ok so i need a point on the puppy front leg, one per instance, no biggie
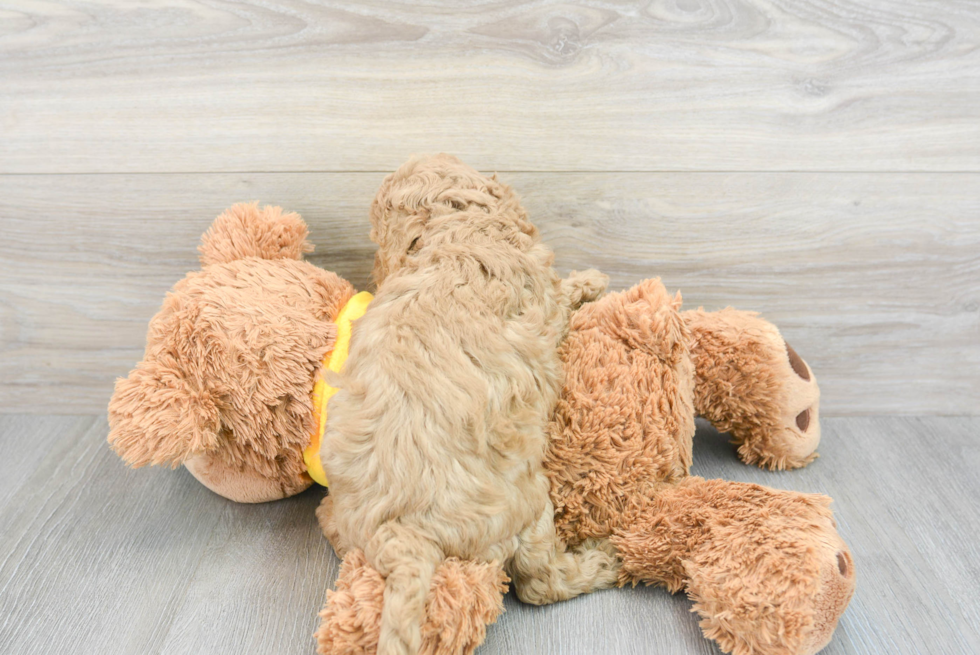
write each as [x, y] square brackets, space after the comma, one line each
[544, 571]
[581, 287]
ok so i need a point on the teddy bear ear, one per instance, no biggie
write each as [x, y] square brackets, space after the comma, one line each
[157, 417]
[245, 230]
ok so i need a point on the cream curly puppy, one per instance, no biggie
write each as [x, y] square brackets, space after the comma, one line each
[434, 444]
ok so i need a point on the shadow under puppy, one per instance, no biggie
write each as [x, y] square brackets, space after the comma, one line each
[434, 445]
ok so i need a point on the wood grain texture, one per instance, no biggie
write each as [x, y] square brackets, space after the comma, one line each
[599, 85]
[96, 558]
[874, 278]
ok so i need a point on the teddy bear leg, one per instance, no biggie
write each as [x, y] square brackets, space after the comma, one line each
[752, 384]
[244, 484]
[766, 569]
[464, 598]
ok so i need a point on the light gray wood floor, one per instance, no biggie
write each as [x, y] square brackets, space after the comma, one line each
[97, 558]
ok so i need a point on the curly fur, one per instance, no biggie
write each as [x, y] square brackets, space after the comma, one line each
[463, 599]
[442, 433]
[434, 443]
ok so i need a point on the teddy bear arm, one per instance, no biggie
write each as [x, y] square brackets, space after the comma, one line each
[750, 383]
[766, 568]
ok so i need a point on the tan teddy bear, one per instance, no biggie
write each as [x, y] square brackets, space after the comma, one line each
[225, 385]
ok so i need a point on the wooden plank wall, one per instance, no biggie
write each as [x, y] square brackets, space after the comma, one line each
[815, 160]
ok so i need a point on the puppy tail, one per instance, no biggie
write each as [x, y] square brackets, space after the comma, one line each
[408, 561]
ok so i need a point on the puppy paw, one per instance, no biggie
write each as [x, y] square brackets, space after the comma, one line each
[581, 287]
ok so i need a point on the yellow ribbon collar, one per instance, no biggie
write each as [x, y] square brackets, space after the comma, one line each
[322, 392]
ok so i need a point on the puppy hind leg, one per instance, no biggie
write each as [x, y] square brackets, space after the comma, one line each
[408, 561]
[545, 571]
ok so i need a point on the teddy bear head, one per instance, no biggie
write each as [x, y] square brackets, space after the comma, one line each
[225, 383]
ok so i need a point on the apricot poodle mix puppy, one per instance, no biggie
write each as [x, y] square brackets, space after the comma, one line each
[434, 444]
